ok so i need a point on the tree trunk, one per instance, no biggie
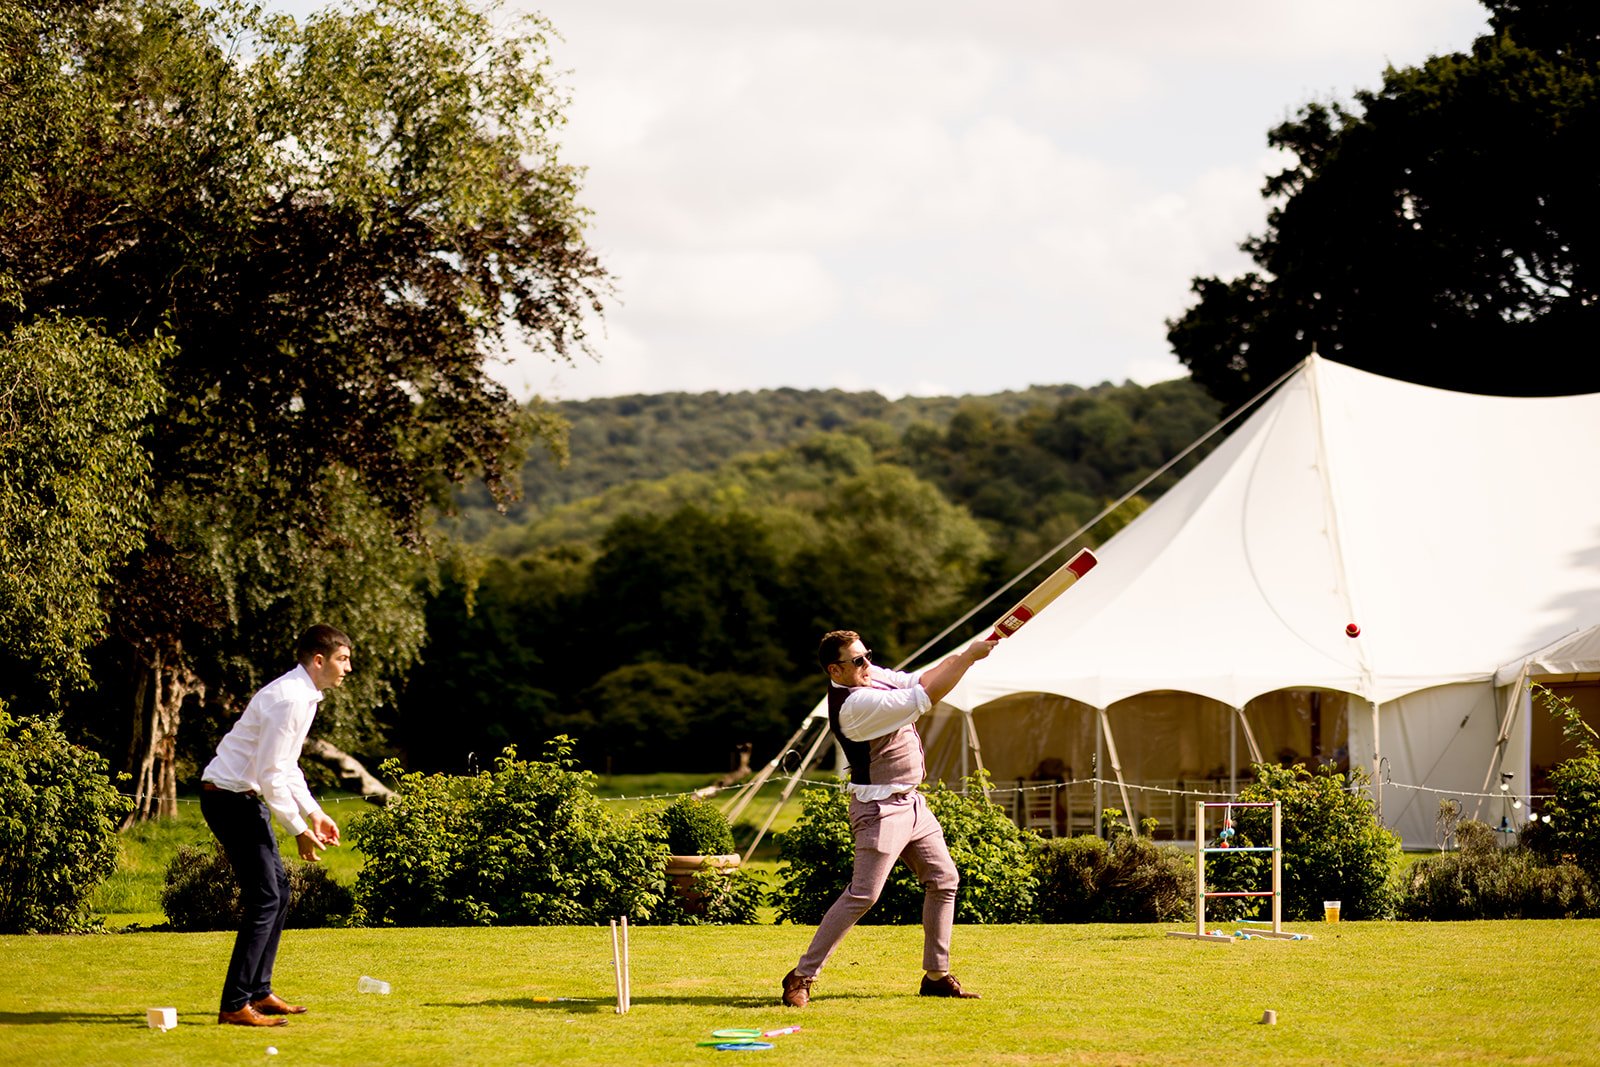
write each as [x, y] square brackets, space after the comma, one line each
[169, 682]
[352, 775]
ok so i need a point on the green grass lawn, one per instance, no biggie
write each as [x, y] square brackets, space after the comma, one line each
[1439, 993]
[1445, 993]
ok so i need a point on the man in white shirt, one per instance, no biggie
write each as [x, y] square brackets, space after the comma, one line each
[254, 776]
[873, 712]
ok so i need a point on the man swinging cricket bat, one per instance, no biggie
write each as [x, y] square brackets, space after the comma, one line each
[873, 712]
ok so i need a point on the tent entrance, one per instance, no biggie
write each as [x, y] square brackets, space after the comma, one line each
[1546, 745]
[1172, 749]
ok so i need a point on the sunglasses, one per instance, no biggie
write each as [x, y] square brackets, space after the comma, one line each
[860, 661]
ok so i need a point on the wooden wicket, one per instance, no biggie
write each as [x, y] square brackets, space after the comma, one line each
[619, 966]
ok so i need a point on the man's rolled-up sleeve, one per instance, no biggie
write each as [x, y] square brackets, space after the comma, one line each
[870, 713]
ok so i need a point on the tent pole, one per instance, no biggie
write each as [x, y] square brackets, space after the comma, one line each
[748, 791]
[1116, 767]
[783, 798]
[1249, 737]
[1377, 779]
[1498, 756]
[1099, 796]
[966, 745]
[1233, 755]
[977, 750]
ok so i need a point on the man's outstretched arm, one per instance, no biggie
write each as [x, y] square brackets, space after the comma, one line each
[942, 677]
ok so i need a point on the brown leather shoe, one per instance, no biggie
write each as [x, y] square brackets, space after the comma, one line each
[944, 987]
[248, 1016]
[797, 990]
[272, 1004]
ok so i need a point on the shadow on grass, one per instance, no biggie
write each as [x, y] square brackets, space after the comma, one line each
[55, 1018]
[608, 1005]
[570, 1007]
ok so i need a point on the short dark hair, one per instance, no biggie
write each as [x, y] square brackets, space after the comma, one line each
[320, 640]
[832, 642]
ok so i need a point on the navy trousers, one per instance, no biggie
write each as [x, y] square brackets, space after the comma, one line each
[243, 824]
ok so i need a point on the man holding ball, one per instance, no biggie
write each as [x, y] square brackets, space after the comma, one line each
[254, 776]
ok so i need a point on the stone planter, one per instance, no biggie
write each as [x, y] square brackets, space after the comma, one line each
[682, 869]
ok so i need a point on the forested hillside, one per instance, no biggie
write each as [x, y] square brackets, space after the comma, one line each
[661, 621]
[642, 437]
[618, 440]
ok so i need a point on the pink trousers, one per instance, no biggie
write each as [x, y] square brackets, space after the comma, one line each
[885, 831]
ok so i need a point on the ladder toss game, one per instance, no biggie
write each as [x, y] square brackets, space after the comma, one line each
[1202, 850]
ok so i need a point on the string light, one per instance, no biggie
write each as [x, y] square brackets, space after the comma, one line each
[709, 791]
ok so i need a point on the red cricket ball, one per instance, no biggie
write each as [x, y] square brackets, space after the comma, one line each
[1352, 630]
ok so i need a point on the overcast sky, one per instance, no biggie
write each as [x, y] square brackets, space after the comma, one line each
[932, 196]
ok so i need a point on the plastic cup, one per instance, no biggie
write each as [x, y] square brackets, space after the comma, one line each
[1330, 911]
[371, 985]
[161, 1018]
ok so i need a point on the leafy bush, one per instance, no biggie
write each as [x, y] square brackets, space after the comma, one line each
[726, 896]
[201, 893]
[993, 857]
[1333, 846]
[59, 813]
[528, 844]
[1126, 879]
[1575, 809]
[694, 827]
[1484, 881]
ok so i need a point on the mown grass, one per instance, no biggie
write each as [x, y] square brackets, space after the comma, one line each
[1415, 993]
[1466, 993]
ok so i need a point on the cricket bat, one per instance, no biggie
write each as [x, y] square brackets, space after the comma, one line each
[1080, 564]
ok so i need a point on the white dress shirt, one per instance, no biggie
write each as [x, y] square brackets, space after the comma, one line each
[893, 700]
[261, 754]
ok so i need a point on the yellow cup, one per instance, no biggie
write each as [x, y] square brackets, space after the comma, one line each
[1330, 911]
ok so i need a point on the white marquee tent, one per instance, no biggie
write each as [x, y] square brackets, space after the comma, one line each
[1460, 533]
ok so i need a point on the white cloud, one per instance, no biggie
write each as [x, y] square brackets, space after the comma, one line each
[751, 291]
[1148, 370]
[931, 195]
[898, 299]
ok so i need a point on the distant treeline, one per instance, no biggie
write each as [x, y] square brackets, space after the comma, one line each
[662, 621]
[648, 436]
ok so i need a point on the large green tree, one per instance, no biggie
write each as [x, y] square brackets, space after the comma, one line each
[1444, 230]
[336, 224]
[73, 405]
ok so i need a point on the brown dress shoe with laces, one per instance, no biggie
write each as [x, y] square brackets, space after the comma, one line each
[944, 987]
[272, 1004]
[248, 1016]
[796, 990]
